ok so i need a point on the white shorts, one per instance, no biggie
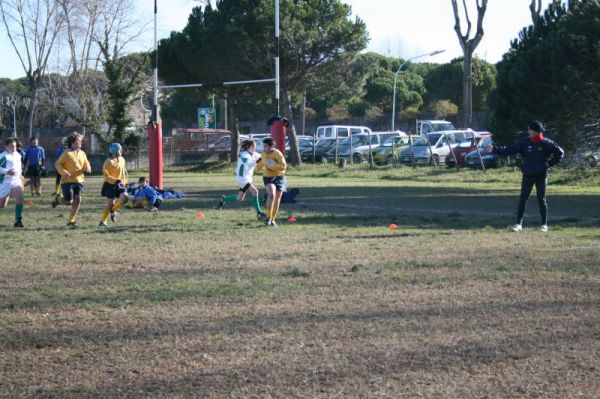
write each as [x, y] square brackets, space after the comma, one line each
[7, 186]
[243, 182]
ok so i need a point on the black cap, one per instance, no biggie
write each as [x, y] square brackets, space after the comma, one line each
[537, 126]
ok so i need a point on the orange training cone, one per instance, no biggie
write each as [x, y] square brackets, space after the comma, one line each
[393, 226]
[200, 215]
[292, 219]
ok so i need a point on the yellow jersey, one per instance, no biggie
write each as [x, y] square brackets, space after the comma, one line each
[74, 162]
[273, 163]
[114, 169]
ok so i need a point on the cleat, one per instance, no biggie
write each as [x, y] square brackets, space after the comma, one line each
[544, 228]
[153, 209]
[18, 223]
[261, 216]
[268, 221]
[113, 217]
[72, 225]
[273, 224]
[56, 201]
[517, 228]
[102, 224]
[220, 204]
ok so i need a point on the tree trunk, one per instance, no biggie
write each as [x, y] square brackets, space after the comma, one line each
[303, 115]
[224, 118]
[291, 130]
[467, 90]
[32, 109]
[235, 131]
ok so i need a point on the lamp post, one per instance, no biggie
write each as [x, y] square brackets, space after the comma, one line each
[396, 80]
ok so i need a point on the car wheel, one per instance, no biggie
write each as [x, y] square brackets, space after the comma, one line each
[390, 160]
[593, 162]
[435, 160]
[500, 162]
[357, 158]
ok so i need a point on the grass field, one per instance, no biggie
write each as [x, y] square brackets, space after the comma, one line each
[450, 304]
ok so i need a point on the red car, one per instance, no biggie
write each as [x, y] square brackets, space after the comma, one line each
[465, 148]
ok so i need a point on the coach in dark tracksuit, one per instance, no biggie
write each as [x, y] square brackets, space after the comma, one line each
[539, 154]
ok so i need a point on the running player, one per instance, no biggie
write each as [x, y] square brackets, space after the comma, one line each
[11, 179]
[72, 165]
[273, 162]
[244, 172]
[59, 152]
[115, 183]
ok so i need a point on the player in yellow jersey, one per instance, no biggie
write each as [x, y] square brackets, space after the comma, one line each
[274, 165]
[114, 188]
[72, 165]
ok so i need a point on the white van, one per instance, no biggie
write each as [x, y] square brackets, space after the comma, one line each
[340, 131]
[433, 148]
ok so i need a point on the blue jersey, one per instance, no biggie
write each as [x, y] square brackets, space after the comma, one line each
[60, 151]
[147, 193]
[35, 155]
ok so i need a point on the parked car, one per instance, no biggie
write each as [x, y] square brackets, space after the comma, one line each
[430, 126]
[489, 160]
[466, 147]
[356, 147]
[593, 158]
[389, 151]
[340, 131]
[224, 143]
[320, 151]
[433, 148]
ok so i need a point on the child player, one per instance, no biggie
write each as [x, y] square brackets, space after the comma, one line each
[273, 162]
[11, 179]
[72, 165]
[114, 188]
[244, 172]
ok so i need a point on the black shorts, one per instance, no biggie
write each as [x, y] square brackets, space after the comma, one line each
[113, 191]
[278, 181]
[34, 171]
[70, 190]
[245, 188]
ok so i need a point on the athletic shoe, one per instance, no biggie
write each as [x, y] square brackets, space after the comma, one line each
[268, 222]
[113, 217]
[72, 225]
[517, 227]
[273, 224]
[261, 216]
[153, 209]
[55, 202]
[102, 224]
[221, 203]
[544, 228]
[18, 223]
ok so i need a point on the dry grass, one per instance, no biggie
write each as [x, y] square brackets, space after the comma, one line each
[169, 305]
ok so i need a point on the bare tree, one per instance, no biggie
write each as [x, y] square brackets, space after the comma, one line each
[536, 11]
[468, 46]
[33, 27]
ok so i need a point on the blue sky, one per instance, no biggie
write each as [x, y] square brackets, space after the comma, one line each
[403, 28]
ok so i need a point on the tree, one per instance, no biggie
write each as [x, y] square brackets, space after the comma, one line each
[32, 27]
[468, 46]
[535, 8]
[445, 108]
[338, 113]
[552, 73]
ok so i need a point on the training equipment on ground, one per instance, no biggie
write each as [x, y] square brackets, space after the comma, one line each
[292, 219]
[393, 226]
[200, 215]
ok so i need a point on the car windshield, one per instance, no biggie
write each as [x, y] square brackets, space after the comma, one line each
[356, 141]
[325, 143]
[305, 143]
[392, 141]
[485, 143]
[422, 140]
[442, 126]
[466, 144]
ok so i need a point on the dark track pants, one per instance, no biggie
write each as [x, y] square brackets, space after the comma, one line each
[540, 182]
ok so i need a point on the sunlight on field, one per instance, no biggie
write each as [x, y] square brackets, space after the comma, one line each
[170, 305]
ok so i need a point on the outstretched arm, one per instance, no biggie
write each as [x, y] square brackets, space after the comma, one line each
[508, 150]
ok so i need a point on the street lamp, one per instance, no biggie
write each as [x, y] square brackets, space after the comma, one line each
[396, 80]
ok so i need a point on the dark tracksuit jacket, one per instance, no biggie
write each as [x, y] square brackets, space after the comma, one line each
[537, 159]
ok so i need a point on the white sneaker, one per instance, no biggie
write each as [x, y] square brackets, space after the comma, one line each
[544, 228]
[516, 228]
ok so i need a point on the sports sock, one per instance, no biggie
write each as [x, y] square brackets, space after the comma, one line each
[57, 188]
[256, 203]
[18, 212]
[104, 216]
[72, 218]
[116, 207]
[230, 198]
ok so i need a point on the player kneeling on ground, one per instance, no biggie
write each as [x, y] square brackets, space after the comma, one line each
[273, 162]
[72, 165]
[114, 188]
[145, 196]
[11, 179]
[244, 172]
[539, 155]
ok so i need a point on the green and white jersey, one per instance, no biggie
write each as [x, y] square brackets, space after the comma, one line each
[10, 161]
[246, 165]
